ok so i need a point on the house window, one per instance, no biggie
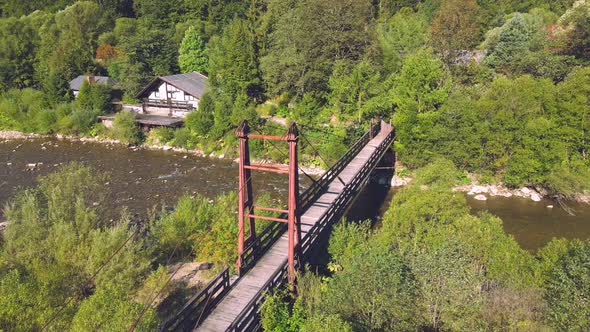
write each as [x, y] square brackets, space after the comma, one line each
[157, 94]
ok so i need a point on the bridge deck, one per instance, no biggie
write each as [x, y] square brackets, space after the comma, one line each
[274, 259]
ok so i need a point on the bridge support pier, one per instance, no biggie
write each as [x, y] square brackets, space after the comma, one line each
[246, 208]
[245, 197]
[294, 227]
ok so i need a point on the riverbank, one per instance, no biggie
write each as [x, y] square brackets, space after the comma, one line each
[16, 135]
[481, 192]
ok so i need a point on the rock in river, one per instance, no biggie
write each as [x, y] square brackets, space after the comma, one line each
[480, 197]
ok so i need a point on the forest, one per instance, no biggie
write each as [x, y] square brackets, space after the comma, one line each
[500, 89]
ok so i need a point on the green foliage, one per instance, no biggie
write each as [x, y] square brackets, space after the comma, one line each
[232, 62]
[95, 97]
[449, 287]
[373, 291]
[307, 39]
[202, 120]
[277, 316]
[160, 135]
[56, 249]
[175, 231]
[351, 87]
[455, 28]
[112, 310]
[125, 129]
[17, 56]
[522, 131]
[421, 87]
[192, 53]
[67, 44]
[197, 224]
[404, 33]
[568, 286]
[519, 45]
[575, 23]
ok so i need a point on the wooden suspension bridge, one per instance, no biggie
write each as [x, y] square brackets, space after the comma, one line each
[269, 259]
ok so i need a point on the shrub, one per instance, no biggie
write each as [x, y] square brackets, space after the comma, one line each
[568, 286]
[82, 120]
[182, 138]
[45, 121]
[199, 122]
[161, 135]
[125, 129]
[95, 97]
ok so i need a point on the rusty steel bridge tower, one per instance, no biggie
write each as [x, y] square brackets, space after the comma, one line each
[246, 208]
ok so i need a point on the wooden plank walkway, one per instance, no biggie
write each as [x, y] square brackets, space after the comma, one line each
[249, 285]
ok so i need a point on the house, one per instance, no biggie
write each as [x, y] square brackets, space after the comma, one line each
[173, 95]
[77, 82]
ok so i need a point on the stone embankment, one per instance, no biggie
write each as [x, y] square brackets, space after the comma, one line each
[481, 192]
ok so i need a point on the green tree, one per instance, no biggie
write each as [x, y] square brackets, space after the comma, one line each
[202, 120]
[125, 129]
[192, 53]
[308, 37]
[351, 86]
[375, 291]
[455, 28]
[17, 53]
[519, 35]
[95, 97]
[449, 287]
[68, 42]
[421, 87]
[568, 286]
[575, 29]
[404, 33]
[232, 62]
[58, 248]
[112, 310]
[145, 52]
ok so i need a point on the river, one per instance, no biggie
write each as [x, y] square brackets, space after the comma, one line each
[141, 179]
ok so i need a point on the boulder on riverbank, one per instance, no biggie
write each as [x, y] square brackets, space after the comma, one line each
[480, 197]
[398, 181]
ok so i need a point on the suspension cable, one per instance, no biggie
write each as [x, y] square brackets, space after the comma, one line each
[91, 279]
[287, 157]
[319, 155]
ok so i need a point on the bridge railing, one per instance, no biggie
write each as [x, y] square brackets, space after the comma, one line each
[249, 319]
[339, 206]
[253, 250]
[199, 305]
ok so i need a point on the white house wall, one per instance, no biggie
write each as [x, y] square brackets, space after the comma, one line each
[177, 94]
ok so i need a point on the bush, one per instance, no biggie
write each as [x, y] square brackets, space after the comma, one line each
[176, 231]
[82, 120]
[54, 252]
[568, 286]
[200, 122]
[45, 121]
[95, 97]
[160, 135]
[125, 129]
[182, 138]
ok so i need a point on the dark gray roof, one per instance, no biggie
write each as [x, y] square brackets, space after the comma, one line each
[193, 83]
[76, 83]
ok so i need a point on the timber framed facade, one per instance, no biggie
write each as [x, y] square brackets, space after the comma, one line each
[173, 95]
